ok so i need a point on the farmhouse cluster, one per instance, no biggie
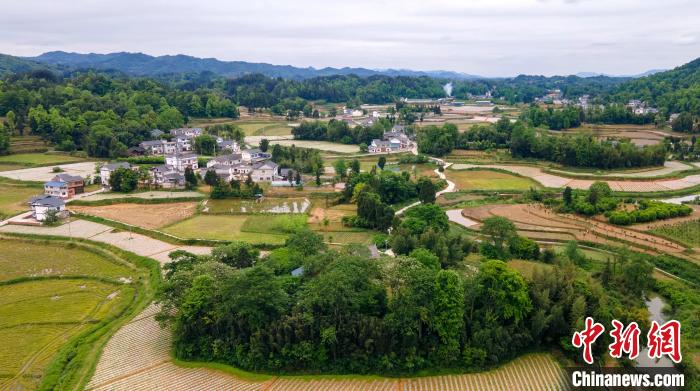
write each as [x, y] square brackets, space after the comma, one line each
[394, 141]
[178, 152]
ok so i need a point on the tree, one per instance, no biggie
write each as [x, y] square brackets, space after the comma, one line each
[683, 123]
[236, 254]
[448, 313]
[123, 180]
[355, 166]
[340, 168]
[500, 229]
[382, 162]
[426, 190]
[568, 196]
[205, 145]
[503, 291]
[306, 242]
[190, 178]
[264, 144]
[210, 178]
[426, 258]
[170, 118]
[598, 191]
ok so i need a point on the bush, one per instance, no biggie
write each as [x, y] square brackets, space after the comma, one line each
[648, 211]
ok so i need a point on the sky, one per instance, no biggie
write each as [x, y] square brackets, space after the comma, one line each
[483, 37]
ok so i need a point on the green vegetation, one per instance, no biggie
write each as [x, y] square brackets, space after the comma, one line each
[39, 159]
[14, 196]
[262, 229]
[687, 232]
[484, 179]
[59, 303]
[648, 211]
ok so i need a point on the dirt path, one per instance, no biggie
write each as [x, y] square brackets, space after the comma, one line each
[556, 181]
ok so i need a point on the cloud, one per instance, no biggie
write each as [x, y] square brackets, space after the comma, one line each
[489, 37]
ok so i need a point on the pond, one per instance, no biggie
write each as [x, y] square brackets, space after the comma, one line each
[265, 205]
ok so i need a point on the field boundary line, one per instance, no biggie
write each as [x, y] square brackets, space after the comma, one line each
[130, 374]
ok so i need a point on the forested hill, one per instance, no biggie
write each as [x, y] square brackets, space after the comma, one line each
[139, 64]
[675, 91]
[11, 65]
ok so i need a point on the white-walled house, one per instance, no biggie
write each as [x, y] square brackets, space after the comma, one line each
[265, 171]
[254, 155]
[226, 160]
[379, 146]
[42, 205]
[107, 169]
[190, 132]
[180, 161]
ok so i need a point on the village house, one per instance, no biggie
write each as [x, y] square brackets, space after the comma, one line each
[107, 169]
[265, 171]
[43, 205]
[379, 146]
[180, 161]
[64, 186]
[254, 155]
[227, 145]
[158, 147]
[226, 160]
[167, 177]
[184, 143]
[190, 132]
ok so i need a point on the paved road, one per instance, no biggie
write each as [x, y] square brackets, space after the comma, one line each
[135, 243]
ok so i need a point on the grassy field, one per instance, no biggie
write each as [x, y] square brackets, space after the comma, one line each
[14, 197]
[320, 145]
[38, 159]
[260, 229]
[335, 232]
[687, 233]
[488, 180]
[41, 310]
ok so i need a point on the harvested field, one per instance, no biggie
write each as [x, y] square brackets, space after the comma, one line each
[539, 223]
[488, 180]
[149, 216]
[555, 181]
[669, 168]
[43, 174]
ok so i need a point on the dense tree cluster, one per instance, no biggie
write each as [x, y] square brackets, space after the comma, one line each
[341, 132]
[583, 150]
[349, 314]
[99, 114]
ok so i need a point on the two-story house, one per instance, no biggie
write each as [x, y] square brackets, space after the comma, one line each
[180, 161]
[64, 186]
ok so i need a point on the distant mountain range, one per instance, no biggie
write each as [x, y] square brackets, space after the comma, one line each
[595, 74]
[139, 64]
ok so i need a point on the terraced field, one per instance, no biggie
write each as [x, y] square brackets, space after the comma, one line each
[539, 223]
[49, 293]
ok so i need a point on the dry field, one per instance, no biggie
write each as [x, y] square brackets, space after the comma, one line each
[149, 216]
[43, 174]
[638, 134]
[539, 223]
[320, 145]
